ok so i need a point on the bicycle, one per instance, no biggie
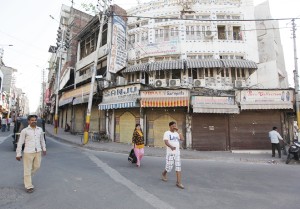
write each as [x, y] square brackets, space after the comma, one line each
[102, 136]
[90, 137]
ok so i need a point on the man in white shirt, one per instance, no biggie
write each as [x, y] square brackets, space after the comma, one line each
[275, 137]
[33, 137]
[171, 139]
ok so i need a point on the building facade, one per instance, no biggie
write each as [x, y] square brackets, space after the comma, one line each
[193, 60]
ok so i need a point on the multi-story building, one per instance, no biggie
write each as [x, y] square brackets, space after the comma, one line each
[197, 63]
[62, 62]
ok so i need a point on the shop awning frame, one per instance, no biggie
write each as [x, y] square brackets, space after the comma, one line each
[216, 108]
[274, 106]
[165, 102]
[118, 105]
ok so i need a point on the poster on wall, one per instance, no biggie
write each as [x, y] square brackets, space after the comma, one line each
[117, 55]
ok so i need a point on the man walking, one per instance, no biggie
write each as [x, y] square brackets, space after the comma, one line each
[274, 137]
[171, 139]
[34, 140]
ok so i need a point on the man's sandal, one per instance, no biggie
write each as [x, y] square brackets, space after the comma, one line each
[30, 190]
[164, 178]
[180, 186]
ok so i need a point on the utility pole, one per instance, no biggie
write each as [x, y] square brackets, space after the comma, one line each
[94, 70]
[43, 92]
[59, 49]
[296, 76]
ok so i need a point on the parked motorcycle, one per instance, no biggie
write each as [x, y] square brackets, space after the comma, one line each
[294, 152]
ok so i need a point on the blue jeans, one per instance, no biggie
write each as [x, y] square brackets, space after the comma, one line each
[3, 127]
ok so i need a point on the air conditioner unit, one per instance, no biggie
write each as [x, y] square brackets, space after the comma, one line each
[160, 83]
[174, 82]
[199, 82]
[240, 83]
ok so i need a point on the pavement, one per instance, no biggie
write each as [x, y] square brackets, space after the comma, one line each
[250, 156]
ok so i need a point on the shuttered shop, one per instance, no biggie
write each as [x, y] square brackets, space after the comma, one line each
[210, 132]
[249, 129]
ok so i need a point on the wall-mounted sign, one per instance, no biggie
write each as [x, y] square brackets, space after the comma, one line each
[164, 93]
[265, 96]
[124, 93]
[118, 55]
[161, 48]
[201, 100]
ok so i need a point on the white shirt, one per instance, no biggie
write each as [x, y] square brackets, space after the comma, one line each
[34, 140]
[274, 136]
[173, 139]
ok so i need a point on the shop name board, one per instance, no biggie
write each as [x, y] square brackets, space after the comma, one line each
[167, 47]
[118, 53]
[198, 100]
[164, 93]
[122, 93]
[267, 96]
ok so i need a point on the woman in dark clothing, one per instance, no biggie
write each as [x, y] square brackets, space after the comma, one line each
[138, 143]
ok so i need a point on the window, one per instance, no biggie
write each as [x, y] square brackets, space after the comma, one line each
[237, 35]
[221, 32]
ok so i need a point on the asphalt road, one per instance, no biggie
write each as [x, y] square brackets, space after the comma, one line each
[73, 177]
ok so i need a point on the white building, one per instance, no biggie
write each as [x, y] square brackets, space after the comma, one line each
[196, 34]
[271, 70]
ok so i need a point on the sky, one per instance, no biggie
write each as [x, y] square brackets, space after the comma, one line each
[28, 27]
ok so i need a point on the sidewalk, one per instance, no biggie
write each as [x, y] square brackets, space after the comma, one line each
[252, 156]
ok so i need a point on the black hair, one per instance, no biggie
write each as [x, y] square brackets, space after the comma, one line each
[136, 125]
[274, 128]
[32, 116]
[172, 123]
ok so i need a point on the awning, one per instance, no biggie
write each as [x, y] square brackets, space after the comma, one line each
[255, 106]
[165, 102]
[81, 99]
[62, 102]
[166, 65]
[239, 63]
[118, 105]
[216, 108]
[204, 63]
[134, 68]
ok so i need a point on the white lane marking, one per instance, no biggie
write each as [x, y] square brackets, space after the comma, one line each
[137, 190]
[3, 138]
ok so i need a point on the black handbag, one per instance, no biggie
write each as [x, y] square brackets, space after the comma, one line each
[132, 157]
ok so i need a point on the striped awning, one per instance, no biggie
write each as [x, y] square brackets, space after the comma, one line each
[165, 102]
[166, 65]
[135, 68]
[257, 106]
[216, 108]
[204, 63]
[239, 63]
[118, 105]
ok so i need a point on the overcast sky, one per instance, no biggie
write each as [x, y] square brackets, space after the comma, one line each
[26, 25]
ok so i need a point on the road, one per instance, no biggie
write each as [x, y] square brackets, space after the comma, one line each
[73, 177]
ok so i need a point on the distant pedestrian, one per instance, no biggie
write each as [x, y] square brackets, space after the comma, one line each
[3, 124]
[171, 139]
[33, 137]
[8, 124]
[138, 143]
[275, 137]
